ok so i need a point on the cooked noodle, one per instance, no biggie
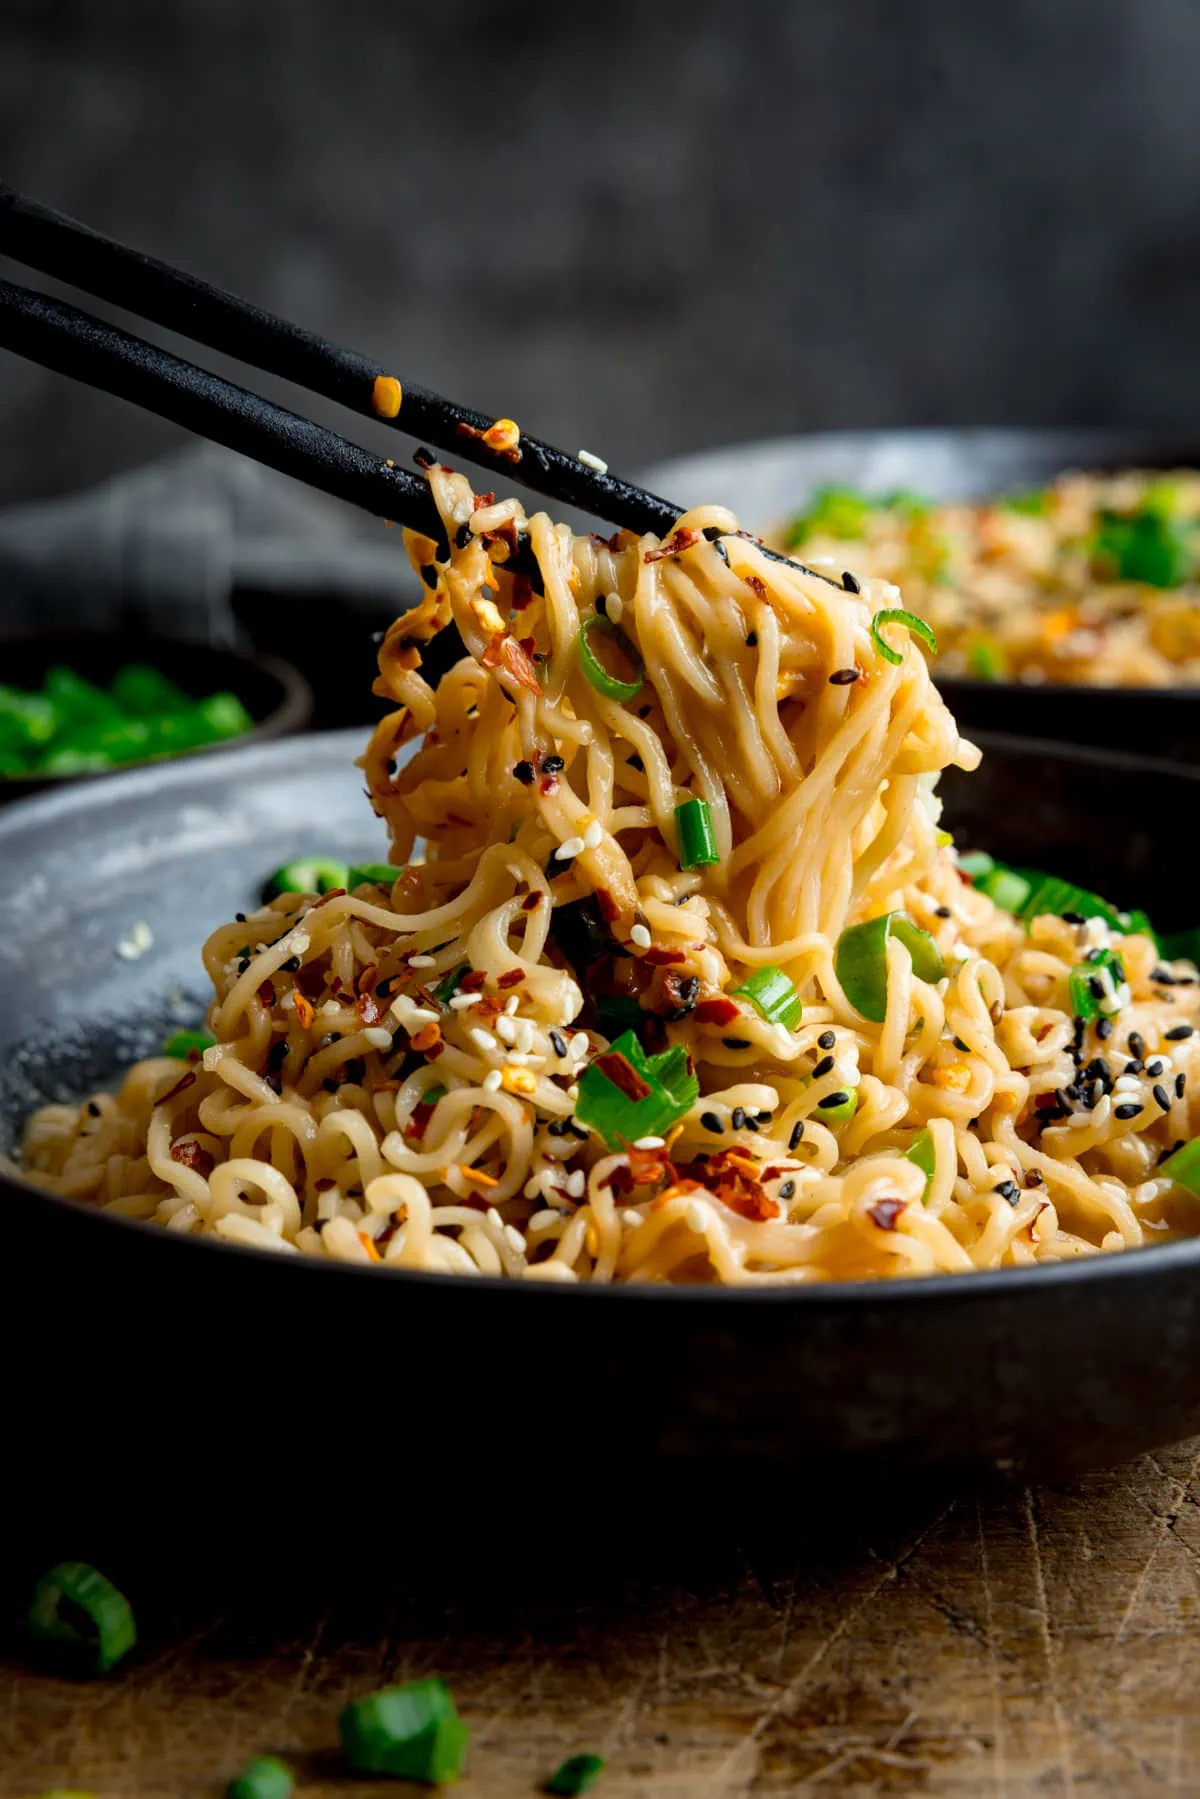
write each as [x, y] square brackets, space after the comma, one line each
[348, 1109]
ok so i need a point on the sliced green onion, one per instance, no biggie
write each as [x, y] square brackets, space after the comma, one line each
[986, 660]
[611, 686]
[578, 1774]
[1050, 895]
[183, 1045]
[75, 1606]
[372, 874]
[911, 506]
[1184, 1166]
[1004, 887]
[942, 838]
[450, 984]
[618, 1116]
[617, 1012]
[773, 995]
[833, 512]
[1146, 546]
[697, 845]
[412, 1732]
[897, 616]
[920, 1153]
[307, 874]
[1034, 503]
[861, 960]
[1084, 979]
[975, 863]
[266, 1777]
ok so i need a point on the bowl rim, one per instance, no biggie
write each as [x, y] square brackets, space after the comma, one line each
[911, 1289]
[290, 714]
[1112, 436]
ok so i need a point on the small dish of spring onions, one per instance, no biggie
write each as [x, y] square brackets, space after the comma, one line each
[71, 726]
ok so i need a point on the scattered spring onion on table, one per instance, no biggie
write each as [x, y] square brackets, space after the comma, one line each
[860, 960]
[70, 726]
[578, 1774]
[266, 1777]
[76, 1609]
[413, 1732]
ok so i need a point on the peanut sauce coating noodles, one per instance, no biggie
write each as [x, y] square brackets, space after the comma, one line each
[677, 979]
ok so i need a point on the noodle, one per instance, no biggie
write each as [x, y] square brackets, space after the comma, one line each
[397, 1073]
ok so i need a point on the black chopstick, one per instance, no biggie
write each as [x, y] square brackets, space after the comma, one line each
[75, 343]
[56, 245]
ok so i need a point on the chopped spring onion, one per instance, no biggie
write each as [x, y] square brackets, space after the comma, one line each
[1147, 546]
[266, 1777]
[1184, 1166]
[921, 1153]
[307, 874]
[611, 686]
[974, 863]
[986, 660]
[412, 1732]
[371, 874]
[1004, 887]
[697, 845]
[185, 1044]
[897, 616]
[1035, 503]
[1049, 894]
[626, 1094]
[1096, 986]
[773, 995]
[861, 960]
[833, 512]
[911, 506]
[75, 1606]
[449, 986]
[578, 1774]
[617, 1012]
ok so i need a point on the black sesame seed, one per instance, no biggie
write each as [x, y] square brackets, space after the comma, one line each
[823, 1067]
[833, 1099]
[274, 1083]
[843, 677]
[1137, 1044]
[1178, 1033]
[797, 1134]
[1008, 1190]
[752, 640]
[787, 1190]
[429, 574]
[559, 1128]
[752, 1124]
[462, 536]
[93, 1109]
[523, 772]
[850, 582]
[1180, 1085]
[602, 604]
[736, 1042]
[1162, 977]
[1072, 917]
[558, 1043]
[713, 532]
[241, 917]
[1104, 1029]
[826, 1040]
[290, 966]
[577, 1130]
[1164, 1153]
[1098, 1069]
[942, 912]
[712, 1123]
[1128, 1111]
[1133, 1068]
[635, 761]
[552, 765]
[1162, 1097]
[1154, 1069]
[1096, 986]
[737, 1118]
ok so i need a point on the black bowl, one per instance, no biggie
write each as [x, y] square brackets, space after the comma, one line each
[766, 482]
[166, 1360]
[275, 694]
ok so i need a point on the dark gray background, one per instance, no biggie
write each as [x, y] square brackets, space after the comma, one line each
[640, 227]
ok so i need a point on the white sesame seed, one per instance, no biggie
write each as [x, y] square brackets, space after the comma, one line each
[518, 1059]
[821, 561]
[460, 1001]
[493, 1217]
[614, 606]
[524, 1034]
[506, 1028]
[576, 1182]
[378, 1038]
[491, 1080]
[631, 1219]
[421, 961]
[890, 591]
[136, 942]
[482, 1039]
[650, 1143]
[330, 1008]
[641, 936]
[542, 1220]
[511, 1004]
[574, 846]
[593, 836]
[573, 1092]
[1127, 1083]
[515, 1239]
[596, 462]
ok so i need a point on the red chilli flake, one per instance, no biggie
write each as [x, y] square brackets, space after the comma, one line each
[506, 653]
[716, 1011]
[512, 977]
[679, 540]
[187, 1080]
[609, 909]
[532, 901]
[759, 585]
[622, 1074]
[662, 958]
[266, 994]
[190, 1155]
[472, 981]
[728, 1177]
[885, 1212]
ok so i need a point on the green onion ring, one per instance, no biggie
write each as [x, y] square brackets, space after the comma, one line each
[594, 669]
[899, 617]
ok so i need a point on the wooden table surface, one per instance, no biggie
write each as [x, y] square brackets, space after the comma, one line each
[1024, 1641]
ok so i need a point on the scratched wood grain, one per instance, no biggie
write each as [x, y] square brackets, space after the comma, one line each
[1024, 1642]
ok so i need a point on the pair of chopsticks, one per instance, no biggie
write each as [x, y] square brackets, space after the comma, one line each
[75, 343]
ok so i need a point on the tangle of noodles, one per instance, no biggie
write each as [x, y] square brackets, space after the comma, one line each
[359, 1105]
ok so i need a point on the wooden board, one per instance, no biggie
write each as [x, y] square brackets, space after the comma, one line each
[1025, 1642]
